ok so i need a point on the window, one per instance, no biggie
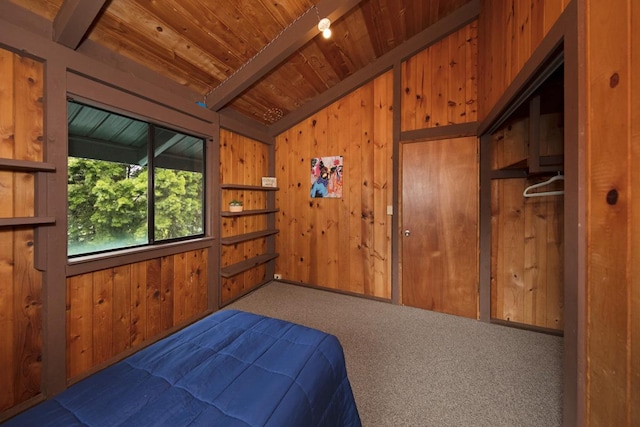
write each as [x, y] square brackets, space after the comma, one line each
[130, 183]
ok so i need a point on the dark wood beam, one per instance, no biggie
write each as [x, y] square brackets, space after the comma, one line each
[396, 191]
[284, 45]
[440, 132]
[29, 35]
[74, 20]
[424, 39]
[24, 19]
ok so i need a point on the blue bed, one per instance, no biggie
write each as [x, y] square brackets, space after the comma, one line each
[229, 369]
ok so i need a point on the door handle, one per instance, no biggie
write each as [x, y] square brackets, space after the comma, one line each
[407, 233]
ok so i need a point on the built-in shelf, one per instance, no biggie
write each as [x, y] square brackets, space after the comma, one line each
[12, 222]
[251, 212]
[15, 165]
[247, 187]
[245, 265]
[246, 237]
[546, 164]
[267, 232]
[26, 166]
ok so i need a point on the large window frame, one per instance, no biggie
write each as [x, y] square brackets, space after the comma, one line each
[206, 126]
[146, 179]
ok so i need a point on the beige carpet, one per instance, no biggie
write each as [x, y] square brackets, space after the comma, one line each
[411, 367]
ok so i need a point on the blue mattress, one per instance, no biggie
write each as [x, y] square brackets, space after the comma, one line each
[229, 369]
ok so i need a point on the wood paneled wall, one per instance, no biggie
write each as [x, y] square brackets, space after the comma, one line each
[242, 161]
[613, 213]
[345, 243]
[113, 310]
[21, 125]
[440, 85]
[509, 31]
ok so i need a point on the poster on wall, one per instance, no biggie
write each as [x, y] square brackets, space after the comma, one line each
[326, 177]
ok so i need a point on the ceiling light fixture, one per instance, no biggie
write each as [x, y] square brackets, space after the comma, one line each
[323, 26]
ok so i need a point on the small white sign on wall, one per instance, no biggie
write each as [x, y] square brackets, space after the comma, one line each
[269, 181]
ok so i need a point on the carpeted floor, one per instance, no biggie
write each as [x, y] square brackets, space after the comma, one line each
[411, 367]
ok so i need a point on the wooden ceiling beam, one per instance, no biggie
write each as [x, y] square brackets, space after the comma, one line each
[74, 20]
[284, 45]
[415, 44]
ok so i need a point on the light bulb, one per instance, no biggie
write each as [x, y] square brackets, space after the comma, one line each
[324, 24]
[326, 33]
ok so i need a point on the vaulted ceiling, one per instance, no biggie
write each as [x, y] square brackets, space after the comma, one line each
[262, 58]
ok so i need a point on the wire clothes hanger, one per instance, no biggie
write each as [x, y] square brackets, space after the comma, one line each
[558, 177]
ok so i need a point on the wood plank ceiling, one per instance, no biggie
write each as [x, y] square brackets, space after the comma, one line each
[261, 58]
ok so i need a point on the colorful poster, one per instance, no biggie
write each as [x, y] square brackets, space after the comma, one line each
[326, 177]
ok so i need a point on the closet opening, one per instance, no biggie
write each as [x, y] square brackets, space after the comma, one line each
[525, 183]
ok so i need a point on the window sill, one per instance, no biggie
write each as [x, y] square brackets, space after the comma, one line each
[90, 263]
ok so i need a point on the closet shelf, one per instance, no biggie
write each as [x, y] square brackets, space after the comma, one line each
[248, 236]
[245, 265]
[26, 166]
[547, 164]
[12, 222]
[251, 212]
[247, 187]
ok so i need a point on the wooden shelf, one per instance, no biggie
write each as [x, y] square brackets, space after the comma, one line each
[267, 231]
[246, 237]
[547, 164]
[245, 213]
[26, 166]
[245, 265]
[12, 222]
[247, 187]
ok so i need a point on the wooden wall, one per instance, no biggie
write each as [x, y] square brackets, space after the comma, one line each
[345, 243]
[21, 127]
[439, 84]
[612, 319]
[113, 310]
[242, 161]
[509, 31]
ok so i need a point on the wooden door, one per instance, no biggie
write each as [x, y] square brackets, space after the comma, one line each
[440, 226]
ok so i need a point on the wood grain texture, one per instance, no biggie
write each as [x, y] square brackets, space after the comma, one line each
[339, 243]
[509, 31]
[526, 258]
[243, 161]
[368, 31]
[7, 310]
[382, 183]
[21, 127]
[139, 303]
[199, 45]
[612, 289]
[633, 354]
[112, 310]
[29, 123]
[526, 234]
[510, 144]
[440, 210]
[102, 310]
